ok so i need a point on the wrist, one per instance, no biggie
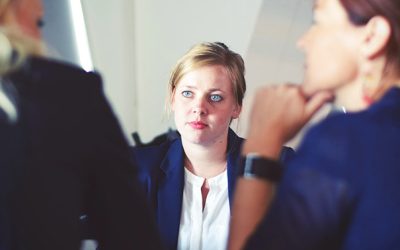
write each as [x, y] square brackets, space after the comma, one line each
[268, 148]
[255, 166]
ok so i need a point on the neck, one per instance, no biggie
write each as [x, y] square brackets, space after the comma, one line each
[350, 96]
[206, 160]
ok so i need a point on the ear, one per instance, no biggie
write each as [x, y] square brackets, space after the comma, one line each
[378, 32]
[236, 111]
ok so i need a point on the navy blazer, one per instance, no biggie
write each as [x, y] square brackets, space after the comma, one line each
[161, 174]
[67, 155]
[341, 191]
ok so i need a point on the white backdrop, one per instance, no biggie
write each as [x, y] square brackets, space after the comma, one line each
[135, 43]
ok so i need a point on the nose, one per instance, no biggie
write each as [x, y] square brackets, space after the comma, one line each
[200, 106]
[301, 42]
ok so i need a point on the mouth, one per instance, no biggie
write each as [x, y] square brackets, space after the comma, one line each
[197, 124]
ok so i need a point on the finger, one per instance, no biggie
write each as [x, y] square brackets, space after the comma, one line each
[316, 102]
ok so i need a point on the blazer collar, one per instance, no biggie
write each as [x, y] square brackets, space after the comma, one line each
[170, 194]
[171, 188]
[233, 156]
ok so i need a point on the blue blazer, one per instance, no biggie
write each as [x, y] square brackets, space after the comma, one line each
[341, 191]
[161, 174]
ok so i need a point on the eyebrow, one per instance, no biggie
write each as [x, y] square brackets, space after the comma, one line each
[187, 86]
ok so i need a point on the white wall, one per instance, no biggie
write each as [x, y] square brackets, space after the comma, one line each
[110, 26]
[167, 29]
[135, 43]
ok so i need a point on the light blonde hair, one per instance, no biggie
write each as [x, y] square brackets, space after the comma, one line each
[14, 45]
[208, 54]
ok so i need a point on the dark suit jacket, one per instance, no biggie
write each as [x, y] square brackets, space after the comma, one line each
[161, 174]
[66, 156]
[341, 191]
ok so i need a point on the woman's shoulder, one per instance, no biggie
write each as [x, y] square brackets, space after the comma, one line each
[48, 73]
[342, 126]
[154, 162]
[331, 141]
[148, 157]
[51, 65]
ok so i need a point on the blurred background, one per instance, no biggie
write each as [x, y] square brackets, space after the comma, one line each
[135, 43]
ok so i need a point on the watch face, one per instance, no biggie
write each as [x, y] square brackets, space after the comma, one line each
[255, 166]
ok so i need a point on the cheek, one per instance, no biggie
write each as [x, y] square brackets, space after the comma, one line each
[331, 65]
[178, 120]
[180, 106]
[176, 102]
[29, 26]
[180, 111]
[225, 116]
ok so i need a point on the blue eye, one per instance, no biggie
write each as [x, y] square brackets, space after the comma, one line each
[187, 93]
[216, 98]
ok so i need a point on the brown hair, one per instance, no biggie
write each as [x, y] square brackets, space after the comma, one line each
[207, 54]
[361, 11]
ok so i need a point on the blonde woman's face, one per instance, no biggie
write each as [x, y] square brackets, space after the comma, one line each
[29, 15]
[204, 104]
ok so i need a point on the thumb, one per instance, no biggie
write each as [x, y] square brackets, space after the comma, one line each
[316, 101]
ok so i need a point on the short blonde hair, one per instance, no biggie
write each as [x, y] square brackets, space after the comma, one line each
[208, 54]
[14, 45]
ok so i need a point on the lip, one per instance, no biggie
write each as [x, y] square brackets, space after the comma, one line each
[197, 124]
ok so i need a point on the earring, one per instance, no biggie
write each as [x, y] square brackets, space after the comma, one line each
[370, 86]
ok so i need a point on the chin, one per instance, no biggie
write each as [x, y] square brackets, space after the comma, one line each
[195, 138]
[308, 89]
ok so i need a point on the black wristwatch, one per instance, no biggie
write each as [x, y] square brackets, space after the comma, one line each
[255, 166]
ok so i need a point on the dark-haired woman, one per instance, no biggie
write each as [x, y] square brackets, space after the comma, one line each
[341, 191]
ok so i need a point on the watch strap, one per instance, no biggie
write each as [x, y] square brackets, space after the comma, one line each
[255, 166]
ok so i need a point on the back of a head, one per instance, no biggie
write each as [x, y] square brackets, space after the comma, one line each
[361, 11]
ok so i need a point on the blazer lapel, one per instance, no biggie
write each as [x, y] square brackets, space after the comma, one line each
[170, 195]
[234, 144]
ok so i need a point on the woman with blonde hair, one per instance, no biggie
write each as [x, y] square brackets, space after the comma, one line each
[341, 189]
[189, 181]
[62, 152]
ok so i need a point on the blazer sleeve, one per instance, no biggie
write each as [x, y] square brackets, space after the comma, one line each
[77, 161]
[310, 208]
[118, 208]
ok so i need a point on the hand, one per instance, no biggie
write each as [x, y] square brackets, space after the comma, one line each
[278, 113]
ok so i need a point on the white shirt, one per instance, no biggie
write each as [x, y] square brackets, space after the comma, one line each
[204, 229]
